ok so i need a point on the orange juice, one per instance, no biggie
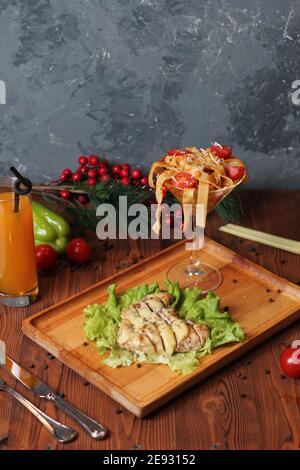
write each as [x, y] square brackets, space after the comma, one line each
[18, 275]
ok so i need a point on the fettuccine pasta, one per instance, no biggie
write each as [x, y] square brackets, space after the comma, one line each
[195, 175]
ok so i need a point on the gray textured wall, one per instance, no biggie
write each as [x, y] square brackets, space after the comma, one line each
[129, 78]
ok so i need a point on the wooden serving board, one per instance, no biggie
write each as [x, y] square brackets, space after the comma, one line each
[246, 290]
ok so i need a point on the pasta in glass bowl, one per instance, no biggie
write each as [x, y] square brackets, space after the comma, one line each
[199, 179]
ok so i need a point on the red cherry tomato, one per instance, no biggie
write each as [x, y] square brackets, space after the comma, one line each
[179, 152]
[45, 257]
[93, 160]
[221, 152]
[235, 172]
[79, 251]
[136, 174]
[82, 160]
[172, 151]
[67, 171]
[290, 360]
[102, 164]
[184, 180]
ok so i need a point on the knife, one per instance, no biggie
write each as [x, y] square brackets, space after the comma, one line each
[92, 427]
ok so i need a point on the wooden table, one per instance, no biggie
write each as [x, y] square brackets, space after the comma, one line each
[249, 405]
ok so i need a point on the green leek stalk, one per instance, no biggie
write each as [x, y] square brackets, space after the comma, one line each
[285, 244]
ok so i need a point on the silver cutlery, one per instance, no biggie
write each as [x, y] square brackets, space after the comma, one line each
[59, 431]
[92, 427]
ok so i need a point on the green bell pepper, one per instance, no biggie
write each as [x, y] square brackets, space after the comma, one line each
[49, 228]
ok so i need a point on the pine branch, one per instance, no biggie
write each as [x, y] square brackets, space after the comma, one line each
[103, 192]
[230, 208]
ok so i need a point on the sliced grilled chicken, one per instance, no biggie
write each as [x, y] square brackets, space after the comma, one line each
[168, 337]
[139, 342]
[180, 329]
[157, 299]
[155, 337]
[190, 342]
[152, 325]
[132, 316]
[202, 330]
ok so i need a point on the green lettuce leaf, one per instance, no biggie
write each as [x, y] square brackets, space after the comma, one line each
[222, 334]
[119, 357]
[97, 320]
[184, 363]
[173, 289]
[188, 301]
[190, 306]
[112, 306]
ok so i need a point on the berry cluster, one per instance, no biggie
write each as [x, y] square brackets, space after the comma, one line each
[92, 170]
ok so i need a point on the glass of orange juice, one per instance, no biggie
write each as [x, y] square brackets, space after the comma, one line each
[18, 273]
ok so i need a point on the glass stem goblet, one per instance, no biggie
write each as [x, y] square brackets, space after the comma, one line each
[195, 272]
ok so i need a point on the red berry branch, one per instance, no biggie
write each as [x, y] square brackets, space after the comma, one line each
[96, 181]
[92, 171]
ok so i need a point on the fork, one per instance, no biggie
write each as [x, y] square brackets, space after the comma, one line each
[59, 431]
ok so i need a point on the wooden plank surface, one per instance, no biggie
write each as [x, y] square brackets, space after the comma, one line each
[211, 415]
[246, 290]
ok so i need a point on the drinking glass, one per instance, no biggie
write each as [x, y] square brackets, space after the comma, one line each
[193, 272]
[18, 273]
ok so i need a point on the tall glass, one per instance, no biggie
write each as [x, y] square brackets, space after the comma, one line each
[18, 273]
[194, 272]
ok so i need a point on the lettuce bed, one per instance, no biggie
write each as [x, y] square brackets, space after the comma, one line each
[102, 322]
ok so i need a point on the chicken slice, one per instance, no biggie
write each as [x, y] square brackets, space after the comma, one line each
[153, 334]
[131, 314]
[146, 313]
[168, 314]
[139, 342]
[190, 343]
[167, 336]
[202, 331]
[163, 297]
[158, 301]
[180, 329]
[125, 332]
